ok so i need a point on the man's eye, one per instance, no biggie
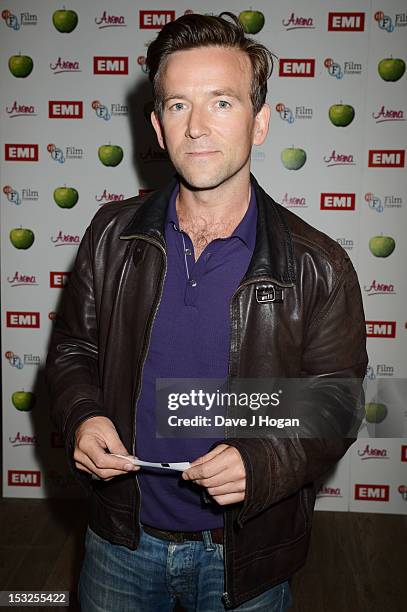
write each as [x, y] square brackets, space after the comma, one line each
[223, 104]
[177, 106]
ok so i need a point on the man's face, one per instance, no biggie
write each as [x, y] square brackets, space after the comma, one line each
[207, 125]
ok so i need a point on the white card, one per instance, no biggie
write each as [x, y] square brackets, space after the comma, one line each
[179, 467]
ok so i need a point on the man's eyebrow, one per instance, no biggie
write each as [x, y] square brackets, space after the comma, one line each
[215, 92]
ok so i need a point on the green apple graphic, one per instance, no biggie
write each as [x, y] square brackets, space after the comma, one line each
[65, 20]
[252, 21]
[110, 155]
[21, 238]
[293, 159]
[66, 197]
[20, 66]
[375, 413]
[341, 115]
[23, 400]
[391, 69]
[382, 246]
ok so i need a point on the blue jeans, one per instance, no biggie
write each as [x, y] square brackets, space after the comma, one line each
[151, 578]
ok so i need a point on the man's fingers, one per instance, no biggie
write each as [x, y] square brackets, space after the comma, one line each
[229, 498]
[98, 462]
[215, 451]
[238, 486]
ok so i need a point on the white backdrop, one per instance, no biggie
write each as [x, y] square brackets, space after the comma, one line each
[88, 87]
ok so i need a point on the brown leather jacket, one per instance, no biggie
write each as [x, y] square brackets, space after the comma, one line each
[315, 329]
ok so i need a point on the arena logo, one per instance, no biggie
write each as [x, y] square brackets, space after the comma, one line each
[338, 201]
[376, 288]
[16, 319]
[60, 155]
[381, 370]
[339, 159]
[379, 204]
[14, 22]
[389, 24]
[298, 23]
[63, 65]
[22, 440]
[373, 453]
[110, 21]
[381, 329]
[21, 152]
[346, 243]
[17, 362]
[24, 478]
[386, 158]
[340, 70]
[403, 451]
[300, 112]
[346, 22]
[155, 20]
[105, 112]
[22, 280]
[293, 201]
[296, 67]
[372, 492]
[153, 155]
[65, 109]
[402, 489]
[103, 64]
[15, 197]
[58, 280]
[325, 491]
[20, 110]
[61, 239]
[387, 114]
[106, 196]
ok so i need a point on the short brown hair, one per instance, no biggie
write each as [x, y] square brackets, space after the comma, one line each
[195, 30]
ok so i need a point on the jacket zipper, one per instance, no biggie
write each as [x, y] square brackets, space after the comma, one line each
[145, 351]
[225, 595]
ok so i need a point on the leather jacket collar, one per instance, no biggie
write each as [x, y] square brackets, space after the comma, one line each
[273, 253]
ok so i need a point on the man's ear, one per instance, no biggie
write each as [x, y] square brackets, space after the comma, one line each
[158, 129]
[261, 125]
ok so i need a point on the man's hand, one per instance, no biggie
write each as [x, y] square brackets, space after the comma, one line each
[221, 472]
[93, 438]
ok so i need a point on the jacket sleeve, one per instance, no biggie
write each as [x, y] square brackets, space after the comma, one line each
[72, 361]
[334, 351]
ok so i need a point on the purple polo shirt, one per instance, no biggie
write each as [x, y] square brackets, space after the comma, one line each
[190, 339]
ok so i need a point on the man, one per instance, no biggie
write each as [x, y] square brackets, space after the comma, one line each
[207, 278]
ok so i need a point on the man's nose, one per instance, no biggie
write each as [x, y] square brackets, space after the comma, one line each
[197, 124]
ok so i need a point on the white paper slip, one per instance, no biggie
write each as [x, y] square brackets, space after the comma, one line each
[179, 467]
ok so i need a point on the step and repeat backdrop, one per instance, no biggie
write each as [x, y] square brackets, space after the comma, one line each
[75, 103]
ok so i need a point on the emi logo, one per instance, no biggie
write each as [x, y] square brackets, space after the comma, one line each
[58, 280]
[21, 152]
[338, 201]
[296, 67]
[65, 109]
[381, 329]
[155, 20]
[372, 492]
[24, 478]
[346, 22]
[386, 158]
[110, 65]
[403, 452]
[23, 319]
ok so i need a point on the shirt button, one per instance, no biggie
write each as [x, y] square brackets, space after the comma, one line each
[188, 251]
[193, 282]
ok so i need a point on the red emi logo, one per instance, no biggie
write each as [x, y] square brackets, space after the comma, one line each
[296, 67]
[155, 20]
[58, 280]
[403, 452]
[65, 109]
[24, 478]
[338, 201]
[21, 152]
[346, 22]
[22, 319]
[386, 158]
[110, 65]
[372, 492]
[381, 329]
